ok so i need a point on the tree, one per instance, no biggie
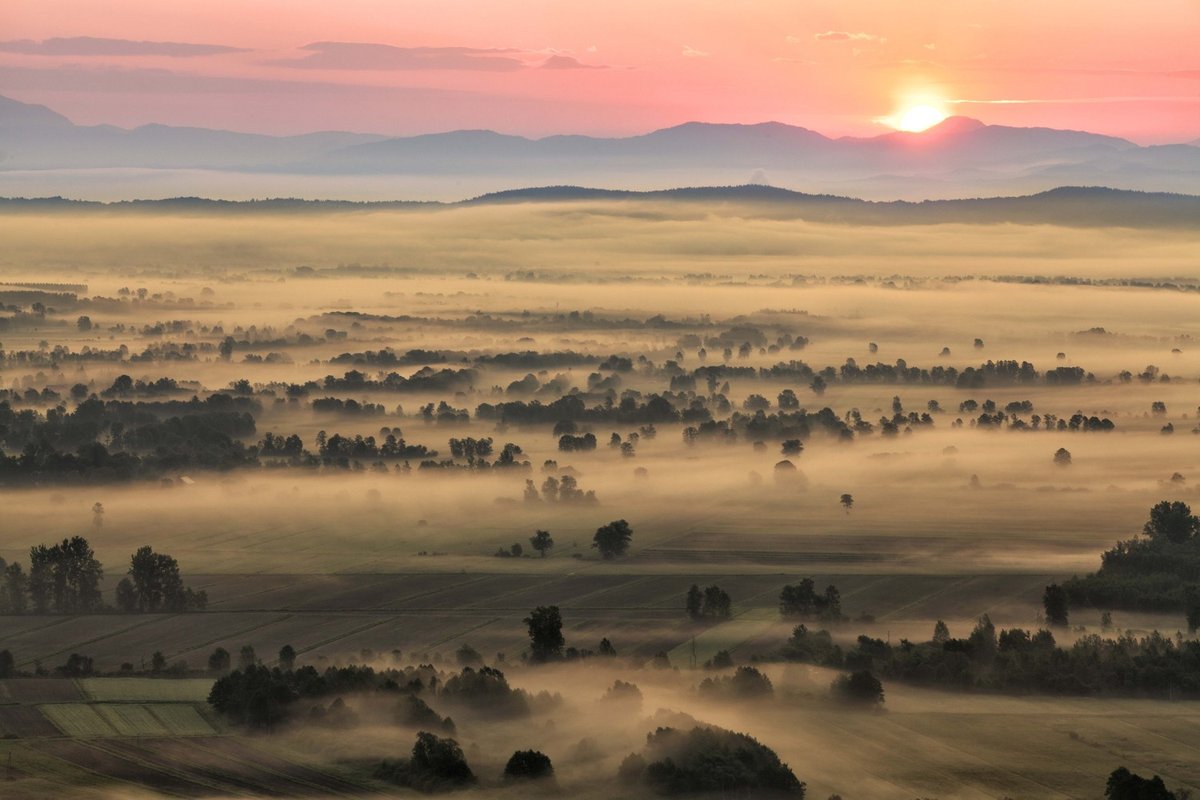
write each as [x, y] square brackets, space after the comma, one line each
[1172, 522]
[439, 761]
[287, 658]
[716, 603]
[1054, 599]
[605, 648]
[528, 765]
[225, 348]
[860, 688]
[1125, 785]
[847, 501]
[16, 585]
[219, 661]
[613, 539]
[246, 657]
[97, 515]
[84, 323]
[127, 599]
[694, 603]
[545, 633]
[541, 541]
[941, 633]
[158, 662]
[65, 577]
[1062, 457]
[157, 585]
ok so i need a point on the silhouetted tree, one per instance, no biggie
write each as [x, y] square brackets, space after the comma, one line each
[858, 687]
[65, 577]
[1054, 600]
[528, 765]
[694, 602]
[247, 657]
[1062, 457]
[545, 633]
[438, 762]
[1172, 522]
[541, 541]
[157, 585]
[847, 501]
[287, 658]
[613, 539]
[1125, 785]
[219, 661]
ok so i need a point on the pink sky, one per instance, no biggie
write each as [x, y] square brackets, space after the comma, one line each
[536, 67]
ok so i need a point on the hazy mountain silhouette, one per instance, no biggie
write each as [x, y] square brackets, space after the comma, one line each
[960, 156]
[1070, 206]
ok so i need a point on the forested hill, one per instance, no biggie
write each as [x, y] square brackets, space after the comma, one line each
[1070, 206]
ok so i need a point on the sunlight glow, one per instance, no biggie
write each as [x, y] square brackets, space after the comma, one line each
[918, 118]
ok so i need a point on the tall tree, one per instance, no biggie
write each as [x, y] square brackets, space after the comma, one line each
[545, 633]
[1054, 599]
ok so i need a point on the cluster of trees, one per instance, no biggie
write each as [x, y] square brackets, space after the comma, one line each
[563, 489]
[1160, 569]
[154, 585]
[746, 683]
[711, 603]
[801, 601]
[546, 642]
[426, 380]
[1017, 660]
[64, 578]
[1125, 785]
[143, 440]
[708, 760]
[438, 764]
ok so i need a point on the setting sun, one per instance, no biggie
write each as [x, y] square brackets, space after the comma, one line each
[918, 118]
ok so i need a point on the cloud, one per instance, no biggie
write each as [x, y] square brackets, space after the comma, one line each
[386, 57]
[691, 52]
[568, 62]
[92, 46]
[846, 36]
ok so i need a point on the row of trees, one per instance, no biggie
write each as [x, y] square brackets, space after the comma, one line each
[64, 578]
[1017, 660]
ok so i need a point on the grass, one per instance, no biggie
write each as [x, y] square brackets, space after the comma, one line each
[78, 720]
[132, 720]
[147, 690]
[181, 720]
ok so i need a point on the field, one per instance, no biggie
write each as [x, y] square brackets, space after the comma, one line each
[362, 561]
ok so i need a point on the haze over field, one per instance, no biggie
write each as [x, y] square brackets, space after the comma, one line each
[491, 400]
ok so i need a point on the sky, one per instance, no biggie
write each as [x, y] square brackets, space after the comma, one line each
[617, 67]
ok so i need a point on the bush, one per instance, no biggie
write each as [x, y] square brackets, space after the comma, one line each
[859, 688]
[708, 760]
[528, 765]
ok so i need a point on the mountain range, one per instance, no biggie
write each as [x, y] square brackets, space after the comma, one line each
[1069, 206]
[958, 157]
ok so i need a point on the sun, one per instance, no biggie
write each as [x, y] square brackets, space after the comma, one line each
[918, 118]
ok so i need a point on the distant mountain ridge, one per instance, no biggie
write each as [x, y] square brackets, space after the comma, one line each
[1071, 206]
[956, 157]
